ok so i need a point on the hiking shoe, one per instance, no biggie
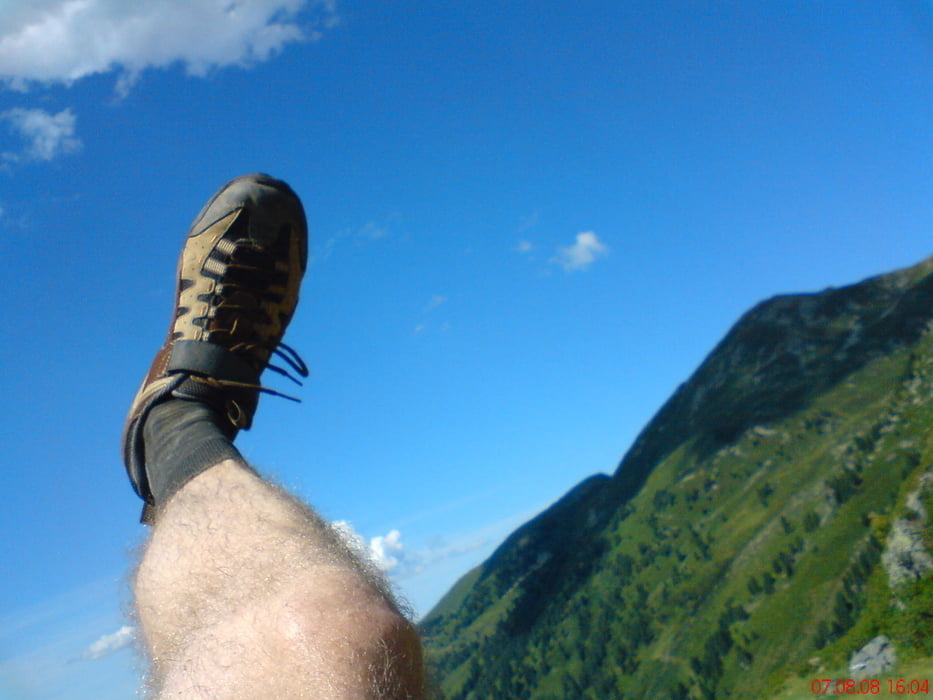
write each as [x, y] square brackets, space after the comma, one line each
[238, 279]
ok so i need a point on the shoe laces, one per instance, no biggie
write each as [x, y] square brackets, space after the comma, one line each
[248, 273]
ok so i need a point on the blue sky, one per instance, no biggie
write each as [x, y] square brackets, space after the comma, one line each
[530, 221]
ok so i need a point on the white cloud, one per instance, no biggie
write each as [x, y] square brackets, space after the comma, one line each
[389, 554]
[582, 253]
[47, 135]
[524, 247]
[60, 41]
[110, 643]
[385, 551]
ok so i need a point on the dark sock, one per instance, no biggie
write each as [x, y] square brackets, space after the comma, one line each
[183, 438]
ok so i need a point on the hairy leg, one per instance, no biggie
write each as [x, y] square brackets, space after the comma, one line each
[244, 592]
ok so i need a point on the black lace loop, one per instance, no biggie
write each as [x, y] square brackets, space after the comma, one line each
[293, 360]
[255, 387]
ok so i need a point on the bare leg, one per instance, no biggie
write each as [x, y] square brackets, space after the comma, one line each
[243, 592]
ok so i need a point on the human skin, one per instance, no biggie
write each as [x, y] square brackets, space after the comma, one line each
[244, 592]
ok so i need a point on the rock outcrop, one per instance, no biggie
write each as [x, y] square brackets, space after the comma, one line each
[873, 659]
[905, 556]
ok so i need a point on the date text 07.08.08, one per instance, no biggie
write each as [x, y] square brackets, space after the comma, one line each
[870, 686]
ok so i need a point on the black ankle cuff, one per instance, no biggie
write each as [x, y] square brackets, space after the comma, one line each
[182, 439]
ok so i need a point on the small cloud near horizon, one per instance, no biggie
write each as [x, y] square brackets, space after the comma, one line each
[579, 256]
[388, 552]
[384, 551]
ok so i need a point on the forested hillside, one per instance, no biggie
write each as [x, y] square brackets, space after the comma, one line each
[770, 521]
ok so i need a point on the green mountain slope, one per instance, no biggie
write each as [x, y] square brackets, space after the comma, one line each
[767, 523]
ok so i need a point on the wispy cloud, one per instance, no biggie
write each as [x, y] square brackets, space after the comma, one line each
[110, 643]
[433, 303]
[524, 246]
[60, 41]
[45, 646]
[436, 300]
[582, 253]
[47, 135]
[373, 231]
[418, 561]
[529, 222]
[363, 235]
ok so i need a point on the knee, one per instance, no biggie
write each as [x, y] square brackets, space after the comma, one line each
[392, 646]
[363, 634]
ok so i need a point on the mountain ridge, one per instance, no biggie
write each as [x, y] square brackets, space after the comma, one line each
[762, 333]
[769, 447]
